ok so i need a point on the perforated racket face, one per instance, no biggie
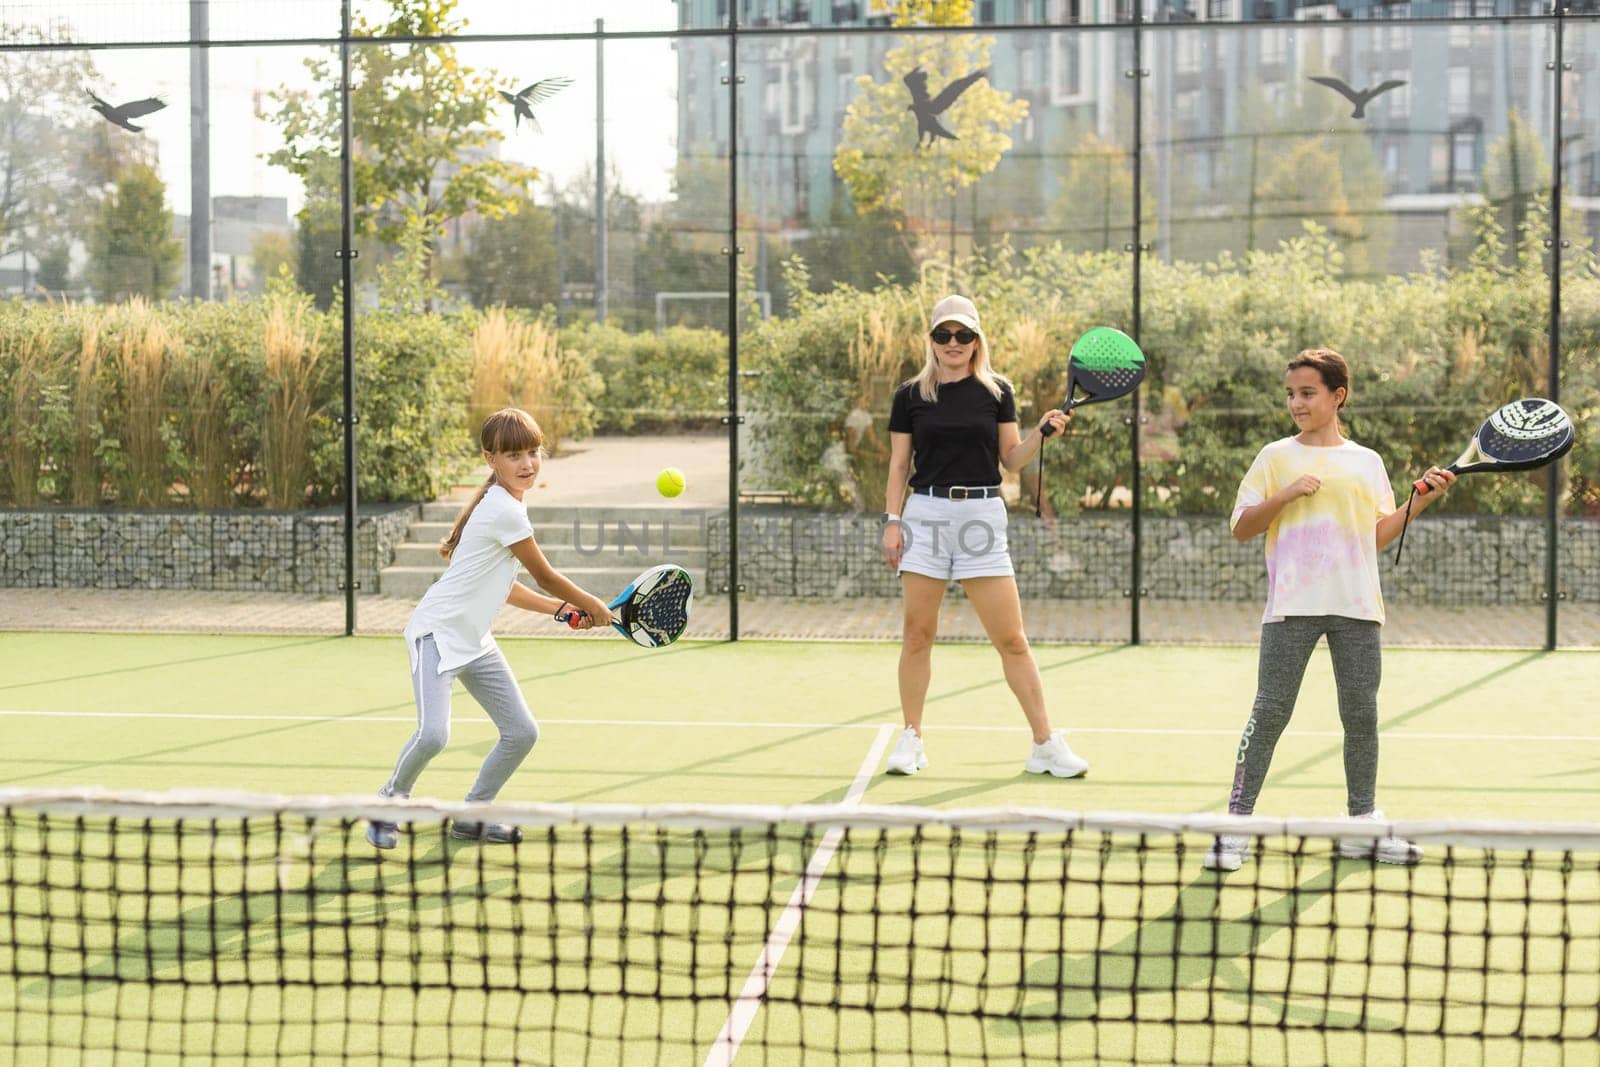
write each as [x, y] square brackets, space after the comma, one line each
[656, 610]
[1523, 434]
[1104, 364]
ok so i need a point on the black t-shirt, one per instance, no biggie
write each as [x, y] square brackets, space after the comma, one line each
[956, 439]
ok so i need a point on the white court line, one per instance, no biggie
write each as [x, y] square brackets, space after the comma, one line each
[713, 724]
[743, 1013]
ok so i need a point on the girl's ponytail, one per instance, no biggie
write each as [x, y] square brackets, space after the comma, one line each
[448, 545]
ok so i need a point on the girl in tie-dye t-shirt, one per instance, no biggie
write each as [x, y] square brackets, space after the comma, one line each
[1327, 509]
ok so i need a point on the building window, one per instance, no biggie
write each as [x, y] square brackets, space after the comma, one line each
[1188, 52]
[1460, 91]
[1184, 105]
[797, 94]
[1219, 10]
[1460, 32]
[1273, 49]
[1272, 92]
[1464, 159]
[1399, 99]
[1068, 60]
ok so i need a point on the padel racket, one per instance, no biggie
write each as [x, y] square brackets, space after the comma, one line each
[1105, 364]
[653, 610]
[1520, 436]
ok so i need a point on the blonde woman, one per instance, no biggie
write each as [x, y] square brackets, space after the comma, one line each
[951, 428]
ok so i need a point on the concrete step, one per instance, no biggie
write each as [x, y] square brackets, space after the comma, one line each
[678, 531]
[604, 582]
[539, 513]
[562, 555]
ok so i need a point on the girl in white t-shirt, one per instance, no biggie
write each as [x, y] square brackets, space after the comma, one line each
[448, 635]
[1327, 509]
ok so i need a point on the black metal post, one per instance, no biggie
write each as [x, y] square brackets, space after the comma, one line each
[600, 269]
[347, 253]
[1135, 563]
[1552, 499]
[733, 417]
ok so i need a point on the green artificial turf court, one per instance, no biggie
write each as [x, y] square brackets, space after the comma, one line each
[613, 946]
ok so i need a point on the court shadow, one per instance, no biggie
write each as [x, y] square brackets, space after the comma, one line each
[1186, 949]
[309, 915]
[651, 859]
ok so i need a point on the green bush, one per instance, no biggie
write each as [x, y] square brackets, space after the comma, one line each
[674, 380]
[1431, 354]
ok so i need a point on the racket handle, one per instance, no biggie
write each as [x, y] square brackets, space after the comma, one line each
[573, 619]
[1422, 487]
[1048, 431]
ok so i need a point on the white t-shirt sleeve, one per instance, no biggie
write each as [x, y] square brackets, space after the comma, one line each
[1254, 489]
[1382, 491]
[509, 524]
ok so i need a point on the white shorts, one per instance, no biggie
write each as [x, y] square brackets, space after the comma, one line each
[954, 539]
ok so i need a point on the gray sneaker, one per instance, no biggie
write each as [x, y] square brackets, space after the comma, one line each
[488, 833]
[1228, 852]
[383, 835]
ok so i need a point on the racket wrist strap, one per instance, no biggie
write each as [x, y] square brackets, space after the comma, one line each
[1405, 525]
[564, 606]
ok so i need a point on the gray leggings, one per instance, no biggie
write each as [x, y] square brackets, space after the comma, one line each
[488, 678]
[1357, 666]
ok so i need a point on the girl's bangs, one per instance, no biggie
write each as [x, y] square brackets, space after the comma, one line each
[512, 430]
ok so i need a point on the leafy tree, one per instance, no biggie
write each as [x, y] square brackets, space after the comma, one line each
[512, 260]
[47, 148]
[878, 156]
[425, 152]
[132, 251]
[1094, 209]
[272, 251]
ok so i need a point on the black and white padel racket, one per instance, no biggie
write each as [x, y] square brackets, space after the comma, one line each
[1519, 436]
[653, 610]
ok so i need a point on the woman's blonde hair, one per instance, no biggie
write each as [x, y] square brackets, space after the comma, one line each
[507, 430]
[927, 378]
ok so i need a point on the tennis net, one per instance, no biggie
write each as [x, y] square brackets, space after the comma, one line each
[222, 927]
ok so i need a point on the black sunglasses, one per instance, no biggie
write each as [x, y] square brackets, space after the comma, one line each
[962, 337]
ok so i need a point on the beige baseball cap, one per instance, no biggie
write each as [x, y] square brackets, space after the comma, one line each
[955, 308]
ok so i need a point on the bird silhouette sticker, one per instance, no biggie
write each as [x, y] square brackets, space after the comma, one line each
[928, 109]
[540, 91]
[121, 113]
[1359, 98]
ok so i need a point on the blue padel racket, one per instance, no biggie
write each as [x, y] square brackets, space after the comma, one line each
[1519, 436]
[653, 610]
[1104, 364]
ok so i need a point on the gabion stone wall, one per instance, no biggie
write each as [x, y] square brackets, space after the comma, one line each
[1448, 559]
[248, 551]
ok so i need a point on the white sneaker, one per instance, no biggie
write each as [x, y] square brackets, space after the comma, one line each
[907, 757]
[1057, 758]
[1227, 853]
[1384, 849]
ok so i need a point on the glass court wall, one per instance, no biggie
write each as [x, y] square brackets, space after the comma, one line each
[707, 235]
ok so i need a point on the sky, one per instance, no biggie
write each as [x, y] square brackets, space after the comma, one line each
[640, 84]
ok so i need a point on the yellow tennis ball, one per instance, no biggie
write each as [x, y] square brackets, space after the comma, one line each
[670, 482]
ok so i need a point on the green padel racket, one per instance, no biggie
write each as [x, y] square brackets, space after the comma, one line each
[1104, 364]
